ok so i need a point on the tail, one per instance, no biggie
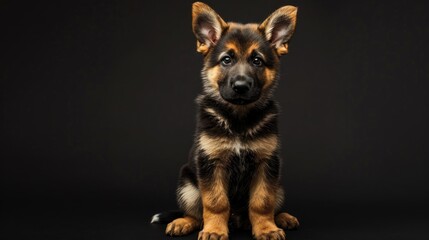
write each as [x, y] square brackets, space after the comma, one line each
[166, 217]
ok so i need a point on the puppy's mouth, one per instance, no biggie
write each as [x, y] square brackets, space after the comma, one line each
[239, 98]
[240, 101]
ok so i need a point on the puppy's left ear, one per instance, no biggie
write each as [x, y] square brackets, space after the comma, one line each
[278, 28]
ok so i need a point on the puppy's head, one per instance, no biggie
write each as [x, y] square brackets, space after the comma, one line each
[241, 60]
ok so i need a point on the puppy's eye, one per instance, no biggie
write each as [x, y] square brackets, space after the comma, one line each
[257, 61]
[226, 61]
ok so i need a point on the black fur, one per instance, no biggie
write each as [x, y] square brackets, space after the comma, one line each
[244, 38]
[236, 132]
[238, 124]
[240, 169]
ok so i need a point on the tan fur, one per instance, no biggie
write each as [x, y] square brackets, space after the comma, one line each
[235, 46]
[251, 48]
[232, 46]
[234, 25]
[262, 205]
[215, 147]
[215, 204]
[213, 74]
[182, 226]
[270, 76]
[264, 147]
[282, 49]
[202, 48]
[243, 53]
[221, 147]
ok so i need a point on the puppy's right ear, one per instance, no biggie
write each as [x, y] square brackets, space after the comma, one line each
[207, 26]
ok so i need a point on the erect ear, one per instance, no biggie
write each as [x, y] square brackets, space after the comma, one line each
[278, 28]
[207, 26]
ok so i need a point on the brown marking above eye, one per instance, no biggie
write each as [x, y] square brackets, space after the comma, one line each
[231, 46]
[252, 48]
[228, 53]
[235, 51]
[253, 52]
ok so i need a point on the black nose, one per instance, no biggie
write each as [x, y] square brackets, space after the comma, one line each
[241, 86]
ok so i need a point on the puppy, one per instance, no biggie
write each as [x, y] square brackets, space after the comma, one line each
[233, 173]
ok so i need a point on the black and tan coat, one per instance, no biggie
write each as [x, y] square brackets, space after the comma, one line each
[233, 173]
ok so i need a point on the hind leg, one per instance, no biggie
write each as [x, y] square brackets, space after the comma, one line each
[189, 200]
[286, 221]
[182, 226]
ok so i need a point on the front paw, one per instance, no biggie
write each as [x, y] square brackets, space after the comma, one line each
[274, 234]
[212, 235]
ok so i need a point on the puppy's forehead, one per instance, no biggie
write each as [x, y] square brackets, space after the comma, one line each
[242, 37]
[244, 40]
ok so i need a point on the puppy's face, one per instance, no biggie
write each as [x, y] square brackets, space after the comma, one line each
[241, 61]
[241, 65]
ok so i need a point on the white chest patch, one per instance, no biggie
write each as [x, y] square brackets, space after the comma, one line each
[238, 146]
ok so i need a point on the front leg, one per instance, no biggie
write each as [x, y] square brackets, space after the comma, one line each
[215, 202]
[262, 202]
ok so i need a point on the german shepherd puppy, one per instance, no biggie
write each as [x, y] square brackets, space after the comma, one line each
[233, 174]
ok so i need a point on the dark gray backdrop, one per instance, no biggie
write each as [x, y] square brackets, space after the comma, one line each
[98, 114]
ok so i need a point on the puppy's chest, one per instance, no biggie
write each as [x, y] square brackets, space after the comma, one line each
[241, 169]
[241, 166]
[226, 147]
[236, 146]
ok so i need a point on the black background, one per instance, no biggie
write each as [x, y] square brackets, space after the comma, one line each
[98, 114]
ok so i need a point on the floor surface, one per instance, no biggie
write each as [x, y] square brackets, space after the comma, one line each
[106, 224]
